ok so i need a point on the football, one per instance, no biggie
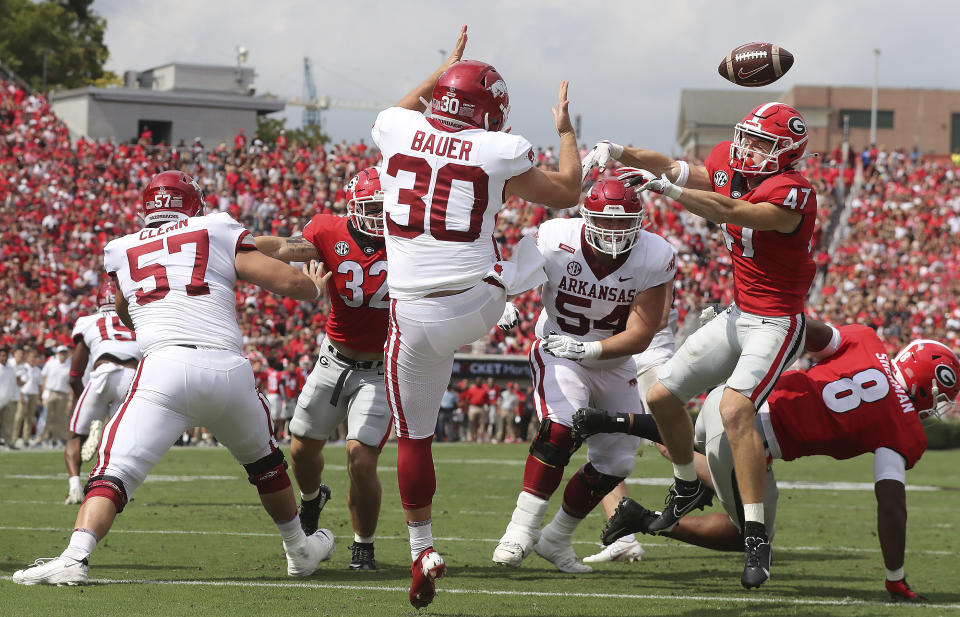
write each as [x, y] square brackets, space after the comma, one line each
[755, 64]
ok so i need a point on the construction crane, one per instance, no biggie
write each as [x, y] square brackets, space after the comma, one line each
[311, 113]
[313, 104]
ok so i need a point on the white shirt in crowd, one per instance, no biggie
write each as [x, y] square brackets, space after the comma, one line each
[31, 378]
[56, 374]
[8, 384]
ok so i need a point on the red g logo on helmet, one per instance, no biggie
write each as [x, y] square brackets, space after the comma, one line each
[945, 376]
[796, 125]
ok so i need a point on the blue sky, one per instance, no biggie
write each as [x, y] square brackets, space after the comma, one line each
[627, 62]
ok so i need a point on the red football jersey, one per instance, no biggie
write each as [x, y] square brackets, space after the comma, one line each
[847, 405]
[772, 271]
[358, 287]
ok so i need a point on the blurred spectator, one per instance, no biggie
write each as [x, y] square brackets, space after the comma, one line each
[55, 385]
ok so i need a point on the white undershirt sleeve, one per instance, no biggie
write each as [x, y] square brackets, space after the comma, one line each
[889, 465]
[831, 347]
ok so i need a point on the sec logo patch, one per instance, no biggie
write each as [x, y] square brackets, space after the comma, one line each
[574, 268]
[341, 248]
[720, 178]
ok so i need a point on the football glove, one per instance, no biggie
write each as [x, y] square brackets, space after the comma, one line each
[707, 314]
[600, 156]
[562, 346]
[649, 182]
[900, 591]
[510, 318]
[589, 421]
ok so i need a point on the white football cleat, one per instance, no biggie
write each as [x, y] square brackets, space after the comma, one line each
[89, 448]
[75, 496]
[509, 553]
[54, 571]
[304, 559]
[620, 550]
[561, 555]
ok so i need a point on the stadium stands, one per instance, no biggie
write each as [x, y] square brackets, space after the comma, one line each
[892, 266]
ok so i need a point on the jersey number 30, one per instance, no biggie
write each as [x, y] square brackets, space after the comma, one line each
[414, 198]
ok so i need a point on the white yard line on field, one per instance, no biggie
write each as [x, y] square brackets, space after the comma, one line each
[648, 543]
[512, 592]
[810, 486]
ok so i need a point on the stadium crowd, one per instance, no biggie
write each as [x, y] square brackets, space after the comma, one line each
[61, 200]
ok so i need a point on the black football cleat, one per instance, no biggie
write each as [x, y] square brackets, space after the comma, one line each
[310, 510]
[362, 556]
[629, 517]
[756, 567]
[683, 498]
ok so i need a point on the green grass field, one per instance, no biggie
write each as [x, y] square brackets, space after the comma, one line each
[196, 542]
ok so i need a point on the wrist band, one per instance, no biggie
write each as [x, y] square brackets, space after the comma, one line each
[684, 174]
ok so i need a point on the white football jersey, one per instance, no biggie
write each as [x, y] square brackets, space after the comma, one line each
[442, 191]
[584, 300]
[104, 333]
[662, 347]
[179, 281]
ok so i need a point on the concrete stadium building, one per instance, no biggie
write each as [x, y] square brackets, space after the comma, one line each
[908, 118]
[176, 101]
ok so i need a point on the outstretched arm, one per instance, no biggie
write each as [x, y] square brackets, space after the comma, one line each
[425, 89]
[294, 248]
[554, 189]
[280, 278]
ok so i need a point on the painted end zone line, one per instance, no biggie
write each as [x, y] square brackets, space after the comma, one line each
[496, 592]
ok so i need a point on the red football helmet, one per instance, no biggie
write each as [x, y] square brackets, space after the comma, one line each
[106, 294]
[471, 94]
[365, 202]
[612, 217]
[928, 371]
[770, 139]
[170, 196]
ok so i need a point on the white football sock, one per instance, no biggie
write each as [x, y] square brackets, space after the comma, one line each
[562, 526]
[527, 517]
[421, 537]
[753, 512]
[82, 543]
[292, 532]
[686, 472]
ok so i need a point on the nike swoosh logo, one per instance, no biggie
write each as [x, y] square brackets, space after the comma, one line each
[622, 279]
[743, 75]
